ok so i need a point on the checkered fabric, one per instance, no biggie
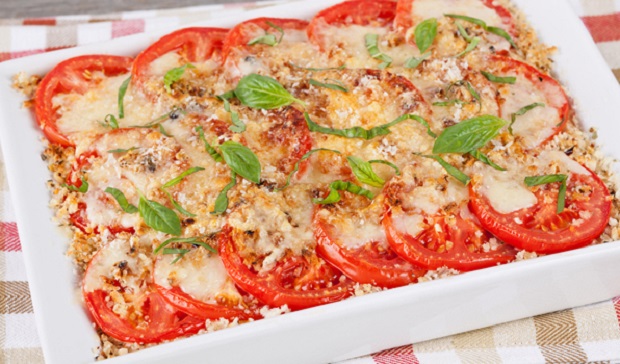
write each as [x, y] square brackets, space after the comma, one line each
[585, 334]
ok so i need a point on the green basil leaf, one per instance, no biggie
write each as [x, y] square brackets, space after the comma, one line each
[472, 91]
[387, 163]
[208, 148]
[205, 245]
[334, 195]
[372, 46]
[168, 251]
[468, 19]
[177, 206]
[180, 177]
[413, 62]
[263, 92]
[119, 196]
[486, 160]
[449, 103]
[468, 135]
[159, 217]
[221, 202]
[495, 30]
[110, 122]
[121, 96]
[303, 158]
[363, 172]
[551, 178]
[367, 134]
[502, 33]
[425, 34]
[241, 160]
[470, 47]
[510, 80]
[120, 151]
[468, 38]
[174, 75]
[522, 111]
[269, 39]
[190, 240]
[333, 86]
[83, 187]
[450, 169]
[341, 67]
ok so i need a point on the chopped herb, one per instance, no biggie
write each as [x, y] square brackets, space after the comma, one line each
[181, 253]
[450, 169]
[180, 177]
[121, 96]
[174, 75]
[522, 111]
[119, 196]
[425, 34]
[372, 46]
[496, 79]
[387, 163]
[363, 172]
[495, 30]
[122, 150]
[163, 131]
[551, 178]
[190, 240]
[414, 62]
[238, 125]
[470, 47]
[83, 187]
[177, 205]
[367, 134]
[269, 39]
[486, 160]
[208, 148]
[450, 103]
[337, 85]
[110, 122]
[468, 38]
[334, 195]
[221, 202]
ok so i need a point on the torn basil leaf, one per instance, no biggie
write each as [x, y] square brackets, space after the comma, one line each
[334, 194]
[119, 196]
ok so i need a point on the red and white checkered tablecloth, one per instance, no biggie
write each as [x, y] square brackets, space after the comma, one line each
[578, 335]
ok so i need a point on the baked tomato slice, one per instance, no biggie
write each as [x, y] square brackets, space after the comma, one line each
[340, 31]
[297, 281]
[200, 47]
[350, 236]
[268, 249]
[265, 45]
[199, 285]
[119, 297]
[427, 222]
[527, 217]
[74, 75]
[530, 87]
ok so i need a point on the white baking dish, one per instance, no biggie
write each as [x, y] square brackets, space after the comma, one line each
[337, 331]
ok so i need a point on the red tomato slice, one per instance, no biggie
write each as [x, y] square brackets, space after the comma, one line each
[540, 228]
[406, 18]
[296, 281]
[71, 76]
[198, 285]
[142, 315]
[165, 321]
[531, 86]
[373, 262]
[193, 44]
[427, 222]
[356, 12]
[242, 33]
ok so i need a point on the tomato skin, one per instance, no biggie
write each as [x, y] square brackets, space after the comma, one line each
[184, 302]
[239, 38]
[459, 257]
[69, 76]
[269, 288]
[358, 12]
[165, 321]
[383, 270]
[543, 82]
[547, 239]
[195, 44]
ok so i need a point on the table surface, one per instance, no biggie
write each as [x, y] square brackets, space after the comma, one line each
[50, 8]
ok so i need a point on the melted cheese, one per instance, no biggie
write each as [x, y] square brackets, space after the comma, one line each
[506, 191]
[198, 274]
[110, 256]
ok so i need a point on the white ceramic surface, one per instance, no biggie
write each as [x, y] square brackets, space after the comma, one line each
[337, 331]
